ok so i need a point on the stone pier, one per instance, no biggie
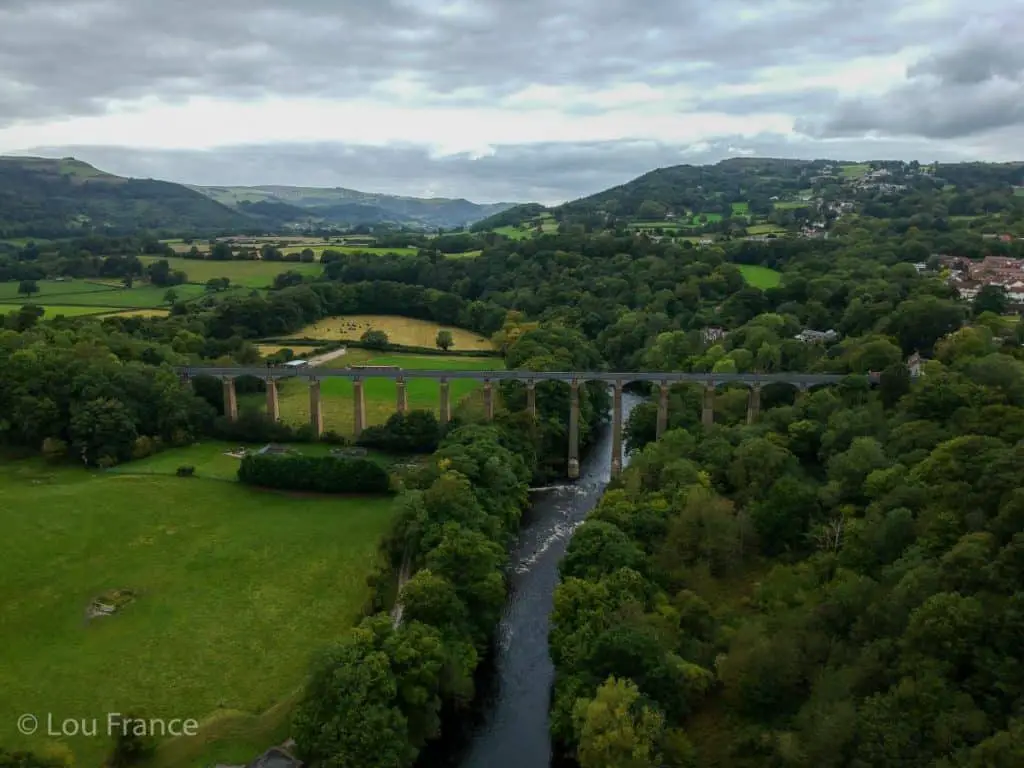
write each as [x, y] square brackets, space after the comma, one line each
[753, 404]
[273, 407]
[617, 428]
[574, 430]
[446, 402]
[402, 398]
[489, 399]
[316, 414]
[531, 399]
[662, 409]
[359, 401]
[708, 415]
[230, 399]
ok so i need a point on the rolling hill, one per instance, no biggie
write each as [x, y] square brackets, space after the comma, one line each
[349, 206]
[43, 197]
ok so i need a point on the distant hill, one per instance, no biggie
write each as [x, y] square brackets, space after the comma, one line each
[348, 206]
[43, 197]
[704, 188]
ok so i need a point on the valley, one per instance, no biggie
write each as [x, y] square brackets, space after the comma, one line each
[818, 398]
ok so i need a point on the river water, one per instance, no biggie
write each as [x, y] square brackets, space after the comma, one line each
[513, 730]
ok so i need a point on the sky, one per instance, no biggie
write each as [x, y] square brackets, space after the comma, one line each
[502, 100]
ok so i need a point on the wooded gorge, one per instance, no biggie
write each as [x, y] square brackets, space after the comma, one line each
[838, 584]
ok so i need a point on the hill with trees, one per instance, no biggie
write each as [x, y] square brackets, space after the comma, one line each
[342, 206]
[48, 198]
[836, 585]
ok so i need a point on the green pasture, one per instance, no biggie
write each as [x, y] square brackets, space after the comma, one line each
[854, 170]
[51, 288]
[251, 274]
[741, 209]
[234, 589]
[381, 395]
[760, 277]
[319, 249]
[789, 205]
[765, 229]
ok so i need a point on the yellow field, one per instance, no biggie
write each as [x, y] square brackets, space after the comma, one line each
[140, 313]
[400, 330]
[273, 349]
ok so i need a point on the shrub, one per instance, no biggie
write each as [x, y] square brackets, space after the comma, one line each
[320, 474]
[130, 747]
[185, 471]
[333, 438]
[142, 447]
[413, 432]
[55, 449]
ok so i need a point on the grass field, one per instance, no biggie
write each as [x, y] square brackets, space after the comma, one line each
[234, 590]
[380, 394]
[252, 274]
[854, 170]
[400, 330]
[48, 288]
[273, 349]
[141, 313]
[741, 209]
[1018, 191]
[319, 249]
[711, 217]
[765, 229]
[789, 205]
[760, 277]
[516, 233]
[50, 311]
[463, 255]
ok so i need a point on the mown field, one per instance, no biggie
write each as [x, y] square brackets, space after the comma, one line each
[319, 249]
[251, 274]
[400, 330]
[765, 229]
[789, 205]
[854, 170]
[234, 588]
[760, 277]
[381, 395]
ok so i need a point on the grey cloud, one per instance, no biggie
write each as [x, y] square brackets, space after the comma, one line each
[62, 57]
[971, 87]
[548, 173]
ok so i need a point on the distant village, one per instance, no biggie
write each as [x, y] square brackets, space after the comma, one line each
[969, 277]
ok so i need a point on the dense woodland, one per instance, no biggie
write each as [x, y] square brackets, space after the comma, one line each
[838, 584]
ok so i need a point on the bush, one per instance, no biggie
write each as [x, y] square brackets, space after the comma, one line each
[55, 449]
[143, 447]
[130, 748]
[321, 474]
[333, 438]
[185, 471]
[413, 432]
[256, 427]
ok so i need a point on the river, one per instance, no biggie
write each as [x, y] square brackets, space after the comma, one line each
[513, 729]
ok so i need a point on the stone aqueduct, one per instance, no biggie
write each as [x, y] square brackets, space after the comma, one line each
[617, 380]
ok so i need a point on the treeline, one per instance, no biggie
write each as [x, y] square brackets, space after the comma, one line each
[95, 396]
[316, 474]
[376, 696]
[838, 585]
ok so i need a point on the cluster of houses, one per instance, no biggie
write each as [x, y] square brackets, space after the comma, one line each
[969, 277]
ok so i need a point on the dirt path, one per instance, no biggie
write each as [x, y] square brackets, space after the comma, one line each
[326, 357]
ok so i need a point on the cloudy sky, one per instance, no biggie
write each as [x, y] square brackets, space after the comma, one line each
[502, 99]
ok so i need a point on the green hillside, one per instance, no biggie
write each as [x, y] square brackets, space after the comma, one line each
[41, 197]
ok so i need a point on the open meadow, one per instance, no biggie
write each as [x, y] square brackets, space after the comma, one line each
[760, 277]
[226, 591]
[251, 274]
[381, 395]
[854, 170]
[400, 330]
